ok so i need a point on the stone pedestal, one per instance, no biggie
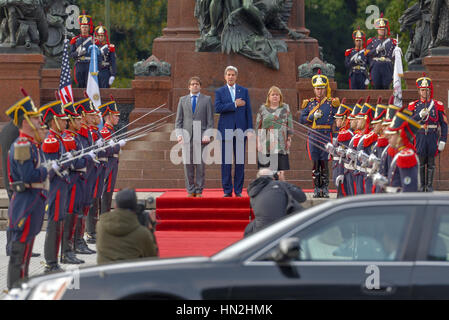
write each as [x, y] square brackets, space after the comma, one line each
[19, 71]
[50, 78]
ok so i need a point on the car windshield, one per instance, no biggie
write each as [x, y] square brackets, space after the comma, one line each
[244, 246]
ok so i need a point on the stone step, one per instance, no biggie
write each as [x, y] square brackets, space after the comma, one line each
[180, 183]
[128, 173]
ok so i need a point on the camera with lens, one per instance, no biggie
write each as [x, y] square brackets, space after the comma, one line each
[144, 215]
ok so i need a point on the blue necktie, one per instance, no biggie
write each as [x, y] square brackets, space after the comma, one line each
[193, 104]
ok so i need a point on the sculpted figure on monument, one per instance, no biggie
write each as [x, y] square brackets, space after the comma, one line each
[242, 26]
[420, 36]
[439, 23]
[56, 18]
[23, 22]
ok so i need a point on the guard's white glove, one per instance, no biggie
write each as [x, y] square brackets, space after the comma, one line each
[121, 143]
[55, 166]
[441, 146]
[380, 180]
[111, 80]
[81, 51]
[318, 114]
[92, 155]
[69, 155]
[339, 180]
[366, 82]
[99, 143]
[424, 113]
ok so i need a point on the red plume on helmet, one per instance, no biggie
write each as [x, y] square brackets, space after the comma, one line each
[379, 100]
[391, 101]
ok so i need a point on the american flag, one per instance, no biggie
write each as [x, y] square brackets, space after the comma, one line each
[65, 82]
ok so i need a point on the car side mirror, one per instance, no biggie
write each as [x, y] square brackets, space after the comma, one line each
[287, 250]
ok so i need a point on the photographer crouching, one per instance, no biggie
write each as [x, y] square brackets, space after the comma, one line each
[127, 232]
[272, 200]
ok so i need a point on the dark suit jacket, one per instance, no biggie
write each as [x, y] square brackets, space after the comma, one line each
[230, 116]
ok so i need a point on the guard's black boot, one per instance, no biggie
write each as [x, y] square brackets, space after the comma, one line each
[67, 254]
[53, 267]
[430, 173]
[317, 183]
[91, 238]
[52, 238]
[16, 266]
[69, 257]
[422, 175]
[82, 248]
[325, 180]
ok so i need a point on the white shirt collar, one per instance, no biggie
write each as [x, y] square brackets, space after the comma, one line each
[229, 87]
[197, 95]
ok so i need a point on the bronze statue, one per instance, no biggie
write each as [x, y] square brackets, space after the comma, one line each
[23, 22]
[420, 36]
[242, 26]
[439, 23]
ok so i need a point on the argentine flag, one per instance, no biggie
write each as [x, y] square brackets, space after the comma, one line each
[93, 90]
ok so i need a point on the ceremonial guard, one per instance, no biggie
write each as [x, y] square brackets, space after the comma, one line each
[53, 148]
[111, 116]
[80, 50]
[403, 174]
[28, 179]
[366, 145]
[87, 111]
[102, 155]
[382, 141]
[73, 144]
[356, 61]
[345, 135]
[319, 113]
[107, 67]
[432, 138]
[379, 51]
[351, 168]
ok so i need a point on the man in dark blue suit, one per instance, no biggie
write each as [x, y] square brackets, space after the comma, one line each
[233, 104]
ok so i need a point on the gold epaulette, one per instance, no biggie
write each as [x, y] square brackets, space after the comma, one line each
[22, 150]
[304, 103]
[335, 102]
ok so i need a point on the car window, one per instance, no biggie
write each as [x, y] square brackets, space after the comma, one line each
[367, 233]
[439, 244]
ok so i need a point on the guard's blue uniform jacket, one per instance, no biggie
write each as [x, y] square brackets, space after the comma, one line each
[82, 60]
[113, 160]
[323, 125]
[381, 61]
[343, 189]
[53, 148]
[27, 208]
[352, 175]
[403, 174]
[428, 137]
[107, 65]
[366, 144]
[358, 68]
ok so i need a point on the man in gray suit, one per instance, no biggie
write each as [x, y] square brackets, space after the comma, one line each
[195, 115]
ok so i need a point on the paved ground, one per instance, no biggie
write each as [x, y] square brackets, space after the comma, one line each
[36, 264]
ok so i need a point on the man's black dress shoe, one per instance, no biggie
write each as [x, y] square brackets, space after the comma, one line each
[227, 195]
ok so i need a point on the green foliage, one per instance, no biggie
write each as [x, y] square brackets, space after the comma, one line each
[332, 23]
[134, 26]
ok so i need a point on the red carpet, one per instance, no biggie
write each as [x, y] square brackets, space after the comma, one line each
[199, 226]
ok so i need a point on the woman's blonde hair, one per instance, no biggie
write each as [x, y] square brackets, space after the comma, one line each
[274, 89]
